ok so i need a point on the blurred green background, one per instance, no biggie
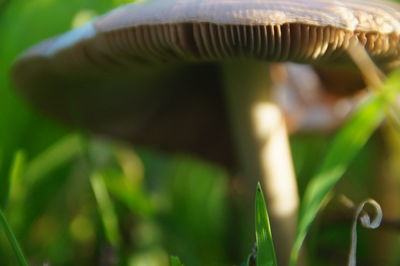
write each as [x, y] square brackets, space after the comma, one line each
[74, 199]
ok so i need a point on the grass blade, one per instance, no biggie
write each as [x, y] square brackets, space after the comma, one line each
[175, 261]
[13, 241]
[106, 208]
[16, 176]
[246, 262]
[265, 246]
[344, 148]
[60, 153]
[13, 185]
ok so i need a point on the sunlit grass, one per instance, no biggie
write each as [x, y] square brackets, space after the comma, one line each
[106, 209]
[265, 246]
[175, 261]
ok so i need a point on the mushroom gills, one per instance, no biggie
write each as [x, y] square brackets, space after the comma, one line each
[296, 42]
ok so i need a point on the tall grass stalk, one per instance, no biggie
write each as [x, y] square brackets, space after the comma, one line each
[13, 241]
[106, 209]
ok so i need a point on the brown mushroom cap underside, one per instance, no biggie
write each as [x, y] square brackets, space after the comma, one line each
[295, 42]
[139, 83]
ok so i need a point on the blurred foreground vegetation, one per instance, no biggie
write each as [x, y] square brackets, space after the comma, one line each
[72, 198]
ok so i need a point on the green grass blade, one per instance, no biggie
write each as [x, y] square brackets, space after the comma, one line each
[246, 262]
[106, 209]
[60, 153]
[13, 182]
[265, 246]
[175, 261]
[4, 186]
[344, 148]
[16, 175]
[125, 191]
[13, 241]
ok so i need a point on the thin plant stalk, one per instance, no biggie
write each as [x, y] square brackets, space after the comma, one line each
[367, 222]
[106, 209]
[13, 241]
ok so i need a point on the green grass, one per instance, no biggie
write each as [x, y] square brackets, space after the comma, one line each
[265, 246]
[13, 241]
[16, 172]
[175, 261]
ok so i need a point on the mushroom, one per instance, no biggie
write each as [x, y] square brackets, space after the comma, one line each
[149, 71]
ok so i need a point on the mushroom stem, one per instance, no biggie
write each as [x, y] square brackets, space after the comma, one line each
[263, 148]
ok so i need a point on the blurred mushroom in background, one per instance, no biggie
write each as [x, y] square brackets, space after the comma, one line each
[311, 103]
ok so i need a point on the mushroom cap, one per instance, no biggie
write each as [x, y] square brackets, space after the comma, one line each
[146, 71]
